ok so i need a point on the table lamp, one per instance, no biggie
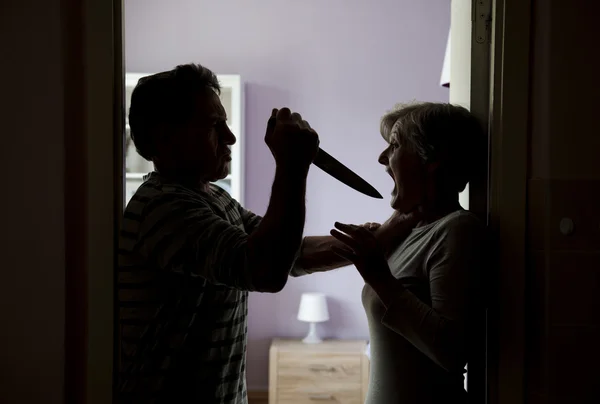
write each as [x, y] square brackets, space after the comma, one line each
[313, 310]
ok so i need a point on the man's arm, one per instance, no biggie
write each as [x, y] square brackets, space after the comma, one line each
[183, 235]
[250, 220]
[273, 246]
[316, 254]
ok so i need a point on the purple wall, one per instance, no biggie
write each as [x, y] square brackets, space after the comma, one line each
[341, 64]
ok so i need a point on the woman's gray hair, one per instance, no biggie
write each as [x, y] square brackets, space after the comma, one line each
[439, 132]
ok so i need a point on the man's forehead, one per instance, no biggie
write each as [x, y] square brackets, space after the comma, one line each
[210, 105]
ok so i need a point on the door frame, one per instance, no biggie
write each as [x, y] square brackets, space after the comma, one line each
[509, 134]
[95, 181]
[478, 84]
[93, 60]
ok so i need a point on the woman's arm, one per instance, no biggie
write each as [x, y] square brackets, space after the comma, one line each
[454, 265]
[317, 255]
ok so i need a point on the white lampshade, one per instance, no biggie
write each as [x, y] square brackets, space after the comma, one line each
[313, 308]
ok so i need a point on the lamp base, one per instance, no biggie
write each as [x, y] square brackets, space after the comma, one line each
[312, 337]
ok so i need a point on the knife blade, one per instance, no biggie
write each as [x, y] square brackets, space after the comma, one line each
[340, 172]
[337, 170]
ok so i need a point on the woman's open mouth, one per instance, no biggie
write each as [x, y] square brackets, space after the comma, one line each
[395, 189]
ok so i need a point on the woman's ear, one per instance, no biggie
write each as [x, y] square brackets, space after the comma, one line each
[432, 167]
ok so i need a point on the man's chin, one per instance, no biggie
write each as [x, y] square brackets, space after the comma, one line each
[221, 174]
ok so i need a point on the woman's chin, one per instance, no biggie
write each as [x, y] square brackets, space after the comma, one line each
[400, 205]
[395, 203]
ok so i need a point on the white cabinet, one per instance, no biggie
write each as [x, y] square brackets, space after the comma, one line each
[233, 100]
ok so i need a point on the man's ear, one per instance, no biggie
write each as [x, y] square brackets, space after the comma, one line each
[160, 138]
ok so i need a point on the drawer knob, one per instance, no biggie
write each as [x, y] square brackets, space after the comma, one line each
[321, 397]
[566, 226]
[322, 368]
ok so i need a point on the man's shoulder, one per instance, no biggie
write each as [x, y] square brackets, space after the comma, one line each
[222, 195]
[154, 200]
[154, 192]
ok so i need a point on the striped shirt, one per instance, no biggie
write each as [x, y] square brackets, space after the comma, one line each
[183, 282]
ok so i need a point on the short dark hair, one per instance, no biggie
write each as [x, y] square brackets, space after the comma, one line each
[440, 132]
[166, 99]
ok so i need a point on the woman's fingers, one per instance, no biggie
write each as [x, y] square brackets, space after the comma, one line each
[346, 239]
[354, 230]
[348, 228]
[363, 237]
[358, 238]
[373, 226]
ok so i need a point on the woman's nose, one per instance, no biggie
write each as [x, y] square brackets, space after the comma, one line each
[383, 158]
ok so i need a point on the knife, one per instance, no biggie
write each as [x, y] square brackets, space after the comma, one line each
[340, 172]
[337, 170]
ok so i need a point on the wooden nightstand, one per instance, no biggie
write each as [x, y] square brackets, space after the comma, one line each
[335, 371]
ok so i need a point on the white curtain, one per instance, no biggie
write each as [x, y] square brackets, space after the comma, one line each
[445, 79]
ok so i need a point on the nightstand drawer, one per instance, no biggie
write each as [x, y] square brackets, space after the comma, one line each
[319, 368]
[344, 397]
[334, 371]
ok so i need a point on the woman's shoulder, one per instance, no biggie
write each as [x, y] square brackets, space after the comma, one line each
[459, 218]
[459, 224]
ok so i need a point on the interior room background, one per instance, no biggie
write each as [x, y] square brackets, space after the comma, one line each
[341, 64]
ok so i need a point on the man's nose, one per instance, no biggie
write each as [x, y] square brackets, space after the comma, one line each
[228, 137]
